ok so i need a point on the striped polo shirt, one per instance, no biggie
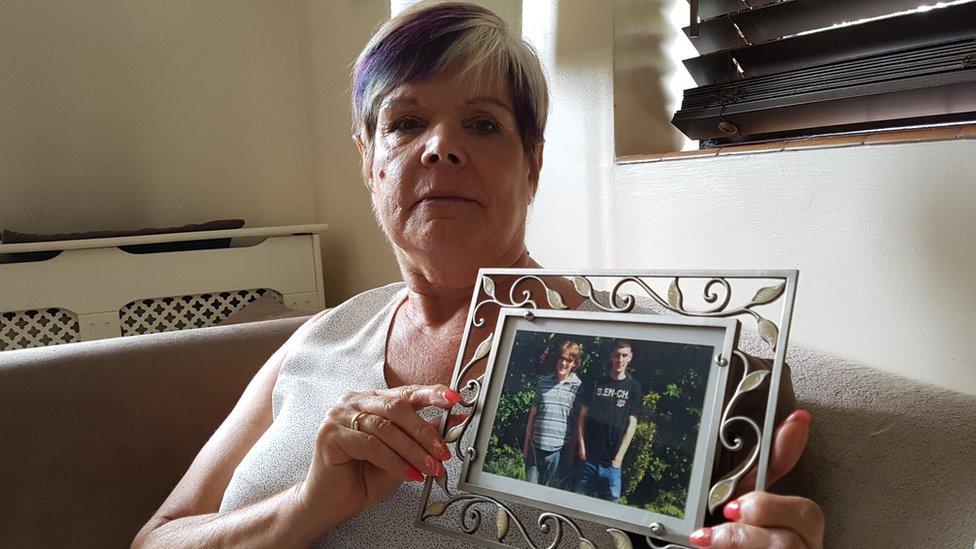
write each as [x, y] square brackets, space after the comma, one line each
[554, 401]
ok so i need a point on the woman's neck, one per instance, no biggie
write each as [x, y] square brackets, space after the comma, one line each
[427, 328]
[440, 296]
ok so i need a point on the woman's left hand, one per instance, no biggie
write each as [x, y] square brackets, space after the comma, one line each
[760, 519]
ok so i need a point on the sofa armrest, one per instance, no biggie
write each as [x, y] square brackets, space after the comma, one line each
[95, 435]
[889, 459]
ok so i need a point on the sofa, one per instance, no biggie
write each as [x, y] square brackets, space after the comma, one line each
[94, 435]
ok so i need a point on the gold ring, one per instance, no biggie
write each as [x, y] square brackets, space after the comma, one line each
[355, 420]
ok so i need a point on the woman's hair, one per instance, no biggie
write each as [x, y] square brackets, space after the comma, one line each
[432, 38]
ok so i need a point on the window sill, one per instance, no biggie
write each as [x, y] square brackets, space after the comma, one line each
[945, 133]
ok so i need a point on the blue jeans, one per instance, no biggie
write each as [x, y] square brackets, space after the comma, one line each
[542, 465]
[599, 481]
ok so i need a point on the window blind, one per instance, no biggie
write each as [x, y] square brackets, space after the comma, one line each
[770, 69]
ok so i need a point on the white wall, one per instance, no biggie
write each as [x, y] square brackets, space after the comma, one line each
[566, 225]
[118, 114]
[122, 115]
[115, 114]
[883, 235]
[355, 253]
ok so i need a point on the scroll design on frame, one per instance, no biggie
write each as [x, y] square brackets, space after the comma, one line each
[751, 380]
[553, 299]
[717, 291]
[618, 302]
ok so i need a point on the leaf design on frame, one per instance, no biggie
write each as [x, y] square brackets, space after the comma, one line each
[768, 331]
[768, 294]
[454, 433]
[674, 295]
[583, 286]
[442, 482]
[586, 544]
[489, 285]
[620, 539]
[483, 348]
[501, 521]
[752, 381]
[720, 493]
[555, 300]
[435, 509]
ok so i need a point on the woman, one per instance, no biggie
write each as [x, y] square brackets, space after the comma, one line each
[326, 443]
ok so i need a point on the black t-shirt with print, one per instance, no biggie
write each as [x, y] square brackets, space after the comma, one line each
[610, 403]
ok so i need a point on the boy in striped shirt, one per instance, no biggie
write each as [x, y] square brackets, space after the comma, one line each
[548, 427]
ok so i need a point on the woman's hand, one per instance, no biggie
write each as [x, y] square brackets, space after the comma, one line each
[760, 519]
[369, 444]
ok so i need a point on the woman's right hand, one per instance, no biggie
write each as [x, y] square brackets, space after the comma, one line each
[354, 468]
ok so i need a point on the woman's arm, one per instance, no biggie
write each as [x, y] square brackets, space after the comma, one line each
[189, 515]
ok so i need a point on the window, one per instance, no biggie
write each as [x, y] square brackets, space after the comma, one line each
[774, 69]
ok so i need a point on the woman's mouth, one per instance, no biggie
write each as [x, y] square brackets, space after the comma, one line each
[445, 201]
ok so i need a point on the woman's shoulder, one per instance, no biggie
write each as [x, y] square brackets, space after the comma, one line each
[353, 312]
[362, 306]
[371, 300]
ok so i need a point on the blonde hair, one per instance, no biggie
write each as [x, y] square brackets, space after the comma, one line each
[575, 351]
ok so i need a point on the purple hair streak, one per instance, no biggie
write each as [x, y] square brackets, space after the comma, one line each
[426, 40]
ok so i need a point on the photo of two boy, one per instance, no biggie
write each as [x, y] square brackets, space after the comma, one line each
[596, 419]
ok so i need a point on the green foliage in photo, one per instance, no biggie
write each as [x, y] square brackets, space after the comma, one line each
[657, 467]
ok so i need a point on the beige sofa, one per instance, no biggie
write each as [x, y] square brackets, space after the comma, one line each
[94, 435]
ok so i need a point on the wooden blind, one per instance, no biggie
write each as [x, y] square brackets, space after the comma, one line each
[769, 69]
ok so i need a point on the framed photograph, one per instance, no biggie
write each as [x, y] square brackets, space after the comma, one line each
[570, 413]
[605, 408]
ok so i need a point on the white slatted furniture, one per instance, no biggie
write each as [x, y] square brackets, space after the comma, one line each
[93, 289]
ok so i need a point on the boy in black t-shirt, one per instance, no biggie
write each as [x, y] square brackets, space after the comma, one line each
[606, 426]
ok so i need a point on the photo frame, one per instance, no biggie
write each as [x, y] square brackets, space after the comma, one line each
[652, 318]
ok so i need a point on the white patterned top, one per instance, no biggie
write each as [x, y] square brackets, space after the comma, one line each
[342, 351]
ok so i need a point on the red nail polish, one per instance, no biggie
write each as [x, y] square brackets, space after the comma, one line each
[434, 467]
[452, 396]
[802, 416]
[701, 538]
[732, 511]
[414, 474]
[441, 451]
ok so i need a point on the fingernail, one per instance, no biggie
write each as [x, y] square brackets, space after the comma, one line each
[441, 451]
[452, 396]
[802, 416]
[701, 538]
[414, 474]
[434, 467]
[732, 511]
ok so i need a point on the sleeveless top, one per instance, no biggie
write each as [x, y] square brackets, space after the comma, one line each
[344, 350]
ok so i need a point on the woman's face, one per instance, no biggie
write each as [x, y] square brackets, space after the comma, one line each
[448, 172]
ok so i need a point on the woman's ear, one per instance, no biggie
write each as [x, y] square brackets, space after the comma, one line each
[366, 160]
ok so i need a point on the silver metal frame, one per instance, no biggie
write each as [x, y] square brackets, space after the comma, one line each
[717, 292]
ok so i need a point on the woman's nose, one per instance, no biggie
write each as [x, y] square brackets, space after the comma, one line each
[442, 148]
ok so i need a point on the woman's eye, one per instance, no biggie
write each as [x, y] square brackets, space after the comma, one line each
[484, 126]
[406, 124]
